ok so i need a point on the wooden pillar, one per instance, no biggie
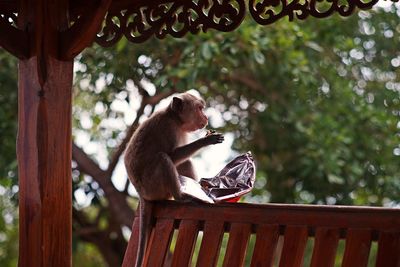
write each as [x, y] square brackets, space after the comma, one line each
[44, 124]
[44, 157]
[44, 138]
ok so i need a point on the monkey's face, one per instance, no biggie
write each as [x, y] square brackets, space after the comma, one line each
[194, 117]
[191, 112]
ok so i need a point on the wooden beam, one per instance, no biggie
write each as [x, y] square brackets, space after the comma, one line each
[13, 40]
[44, 164]
[83, 32]
[9, 6]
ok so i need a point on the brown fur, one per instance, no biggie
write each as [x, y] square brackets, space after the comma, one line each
[158, 152]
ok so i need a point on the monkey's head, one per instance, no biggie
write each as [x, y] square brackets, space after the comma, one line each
[190, 111]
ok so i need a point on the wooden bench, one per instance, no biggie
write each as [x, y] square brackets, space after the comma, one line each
[281, 234]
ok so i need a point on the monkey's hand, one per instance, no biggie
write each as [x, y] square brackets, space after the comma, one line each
[213, 138]
[210, 132]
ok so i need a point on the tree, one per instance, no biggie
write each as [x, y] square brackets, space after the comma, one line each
[8, 119]
[317, 104]
[331, 135]
[8, 162]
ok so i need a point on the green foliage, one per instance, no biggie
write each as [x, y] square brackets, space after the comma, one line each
[8, 161]
[317, 102]
[8, 230]
[331, 133]
[8, 118]
[86, 255]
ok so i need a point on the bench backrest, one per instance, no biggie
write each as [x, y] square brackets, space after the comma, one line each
[281, 234]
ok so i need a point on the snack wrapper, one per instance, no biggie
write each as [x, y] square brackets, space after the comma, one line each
[233, 181]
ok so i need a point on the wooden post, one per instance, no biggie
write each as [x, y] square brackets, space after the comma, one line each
[44, 157]
[44, 138]
[44, 120]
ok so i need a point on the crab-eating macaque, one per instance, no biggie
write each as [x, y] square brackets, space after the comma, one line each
[158, 153]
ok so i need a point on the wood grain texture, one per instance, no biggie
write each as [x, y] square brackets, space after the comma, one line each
[358, 243]
[44, 165]
[131, 249]
[325, 245]
[285, 214]
[159, 242]
[264, 249]
[83, 32]
[327, 223]
[239, 235]
[13, 40]
[187, 235]
[210, 244]
[388, 249]
[293, 246]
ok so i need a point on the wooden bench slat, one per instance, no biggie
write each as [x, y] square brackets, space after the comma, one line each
[388, 249]
[211, 244]
[130, 254]
[159, 243]
[358, 243]
[187, 235]
[239, 235]
[325, 246]
[284, 214]
[359, 225]
[264, 249]
[293, 246]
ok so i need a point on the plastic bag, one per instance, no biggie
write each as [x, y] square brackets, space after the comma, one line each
[233, 181]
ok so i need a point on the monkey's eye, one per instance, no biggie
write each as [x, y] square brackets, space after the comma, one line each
[201, 108]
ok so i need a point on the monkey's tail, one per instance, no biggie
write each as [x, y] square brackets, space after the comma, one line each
[144, 230]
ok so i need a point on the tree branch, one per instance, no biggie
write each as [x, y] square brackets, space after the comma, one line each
[143, 92]
[153, 100]
[86, 228]
[247, 81]
[121, 148]
[86, 164]
[118, 206]
[110, 248]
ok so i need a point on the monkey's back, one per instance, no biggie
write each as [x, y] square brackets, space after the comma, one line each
[157, 134]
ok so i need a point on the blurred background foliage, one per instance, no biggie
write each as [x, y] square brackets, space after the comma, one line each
[317, 102]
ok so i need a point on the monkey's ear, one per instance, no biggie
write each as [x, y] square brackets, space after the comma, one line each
[177, 104]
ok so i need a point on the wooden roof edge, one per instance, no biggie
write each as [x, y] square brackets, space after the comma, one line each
[9, 6]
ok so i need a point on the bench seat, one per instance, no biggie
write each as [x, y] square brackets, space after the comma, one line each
[280, 234]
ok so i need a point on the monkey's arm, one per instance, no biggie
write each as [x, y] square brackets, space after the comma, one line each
[183, 153]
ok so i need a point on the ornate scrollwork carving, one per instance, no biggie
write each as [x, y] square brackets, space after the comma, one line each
[174, 17]
[139, 20]
[267, 12]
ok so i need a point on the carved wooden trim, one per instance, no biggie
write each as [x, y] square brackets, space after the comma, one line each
[81, 34]
[264, 12]
[142, 20]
